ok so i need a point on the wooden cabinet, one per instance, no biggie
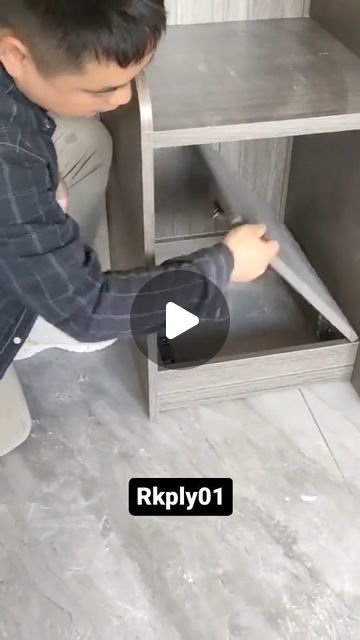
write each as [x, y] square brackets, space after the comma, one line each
[291, 79]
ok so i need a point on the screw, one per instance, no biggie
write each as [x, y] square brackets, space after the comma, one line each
[218, 211]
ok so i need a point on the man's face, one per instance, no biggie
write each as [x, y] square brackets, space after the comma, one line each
[98, 88]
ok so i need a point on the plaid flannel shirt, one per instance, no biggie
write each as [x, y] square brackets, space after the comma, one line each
[45, 270]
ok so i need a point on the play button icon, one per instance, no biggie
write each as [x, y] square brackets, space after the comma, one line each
[178, 321]
[189, 315]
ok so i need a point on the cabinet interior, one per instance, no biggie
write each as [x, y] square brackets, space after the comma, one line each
[266, 314]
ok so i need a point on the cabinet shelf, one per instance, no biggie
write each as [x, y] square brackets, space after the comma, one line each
[250, 80]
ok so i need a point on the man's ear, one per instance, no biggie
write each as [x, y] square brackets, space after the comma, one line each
[14, 55]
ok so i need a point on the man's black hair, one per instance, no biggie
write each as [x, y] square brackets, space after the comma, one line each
[65, 34]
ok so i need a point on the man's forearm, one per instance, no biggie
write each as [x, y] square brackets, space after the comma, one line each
[90, 305]
[107, 313]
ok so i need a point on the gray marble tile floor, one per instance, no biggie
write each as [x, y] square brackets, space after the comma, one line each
[74, 565]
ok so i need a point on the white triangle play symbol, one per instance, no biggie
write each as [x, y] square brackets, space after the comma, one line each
[178, 321]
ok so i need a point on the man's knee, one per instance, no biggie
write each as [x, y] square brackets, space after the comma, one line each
[97, 139]
[84, 147]
[15, 420]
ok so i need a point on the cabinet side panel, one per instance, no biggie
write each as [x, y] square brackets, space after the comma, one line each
[323, 212]
[125, 189]
[127, 197]
[341, 18]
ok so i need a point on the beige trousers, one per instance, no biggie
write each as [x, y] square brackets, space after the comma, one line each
[84, 150]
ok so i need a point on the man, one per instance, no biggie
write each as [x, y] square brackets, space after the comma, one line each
[74, 60]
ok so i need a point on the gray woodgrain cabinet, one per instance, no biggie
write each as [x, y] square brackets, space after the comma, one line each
[284, 79]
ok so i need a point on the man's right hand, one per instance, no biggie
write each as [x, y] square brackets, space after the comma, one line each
[252, 251]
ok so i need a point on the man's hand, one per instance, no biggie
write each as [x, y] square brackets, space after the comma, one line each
[252, 252]
[62, 195]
